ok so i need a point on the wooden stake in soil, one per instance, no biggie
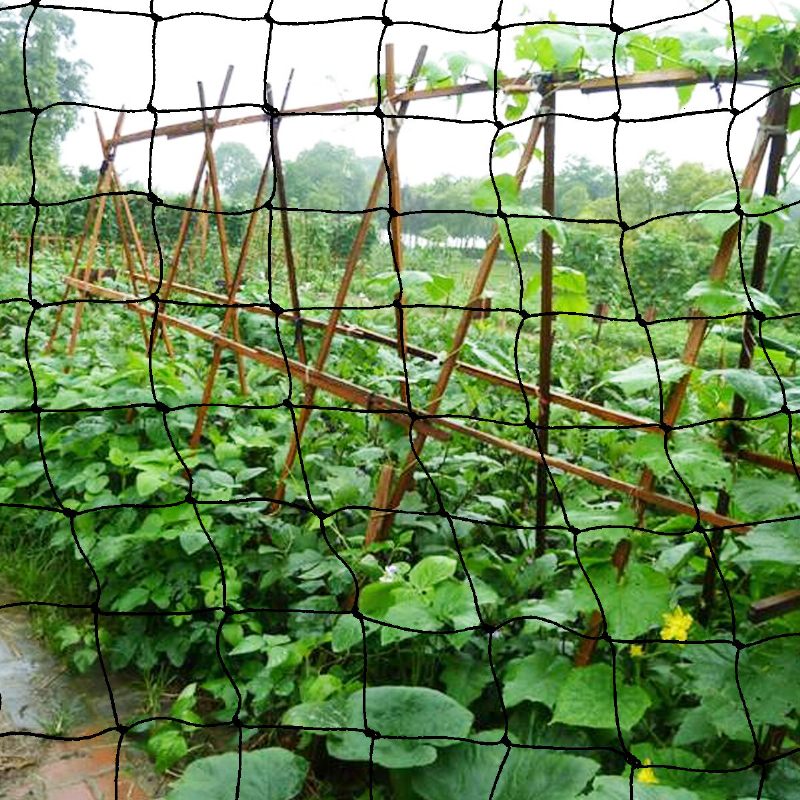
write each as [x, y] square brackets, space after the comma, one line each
[697, 331]
[545, 321]
[757, 281]
[448, 366]
[341, 295]
[222, 232]
[395, 209]
[280, 185]
[191, 202]
[93, 223]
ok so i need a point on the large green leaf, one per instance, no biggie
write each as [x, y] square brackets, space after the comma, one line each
[402, 711]
[269, 774]
[468, 772]
[616, 787]
[586, 699]
[537, 678]
[432, 570]
[771, 542]
[633, 604]
[642, 374]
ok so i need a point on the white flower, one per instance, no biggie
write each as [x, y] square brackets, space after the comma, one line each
[389, 574]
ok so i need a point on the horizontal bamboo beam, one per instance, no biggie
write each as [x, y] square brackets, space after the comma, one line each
[664, 78]
[398, 412]
[647, 496]
[307, 375]
[770, 462]
[775, 606]
[357, 332]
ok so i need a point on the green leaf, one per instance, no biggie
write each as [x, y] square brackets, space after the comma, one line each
[685, 94]
[485, 198]
[642, 374]
[269, 774]
[432, 570]
[714, 299]
[192, 541]
[133, 598]
[536, 678]
[250, 644]
[504, 145]
[586, 699]
[345, 634]
[468, 772]
[148, 481]
[757, 389]
[794, 118]
[766, 497]
[167, 747]
[770, 677]
[772, 542]
[633, 604]
[465, 678]
[616, 787]
[404, 711]
[325, 715]
[15, 432]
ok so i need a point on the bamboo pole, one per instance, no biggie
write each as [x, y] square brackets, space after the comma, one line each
[545, 323]
[288, 247]
[222, 233]
[93, 241]
[230, 310]
[757, 281]
[93, 221]
[395, 220]
[183, 230]
[347, 391]
[621, 418]
[523, 83]
[448, 366]
[123, 214]
[380, 501]
[344, 288]
[436, 428]
[697, 331]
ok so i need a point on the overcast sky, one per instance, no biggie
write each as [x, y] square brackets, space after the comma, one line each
[337, 60]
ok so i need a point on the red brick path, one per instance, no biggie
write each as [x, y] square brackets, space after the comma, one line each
[82, 770]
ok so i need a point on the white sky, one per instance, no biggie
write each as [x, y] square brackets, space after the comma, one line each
[337, 60]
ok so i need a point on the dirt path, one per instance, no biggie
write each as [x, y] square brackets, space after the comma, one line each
[43, 709]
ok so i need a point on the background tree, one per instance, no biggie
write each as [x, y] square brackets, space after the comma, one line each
[52, 78]
[239, 172]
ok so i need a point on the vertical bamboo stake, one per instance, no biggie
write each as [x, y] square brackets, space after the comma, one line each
[481, 278]
[95, 211]
[192, 201]
[95, 237]
[344, 287]
[396, 221]
[123, 213]
[280, 183]
[380, 501]
[221, 232]
[228, 319]
[697, 331]
[757, 281]
[545, 322]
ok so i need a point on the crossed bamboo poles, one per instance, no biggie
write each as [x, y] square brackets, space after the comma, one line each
[314, 377]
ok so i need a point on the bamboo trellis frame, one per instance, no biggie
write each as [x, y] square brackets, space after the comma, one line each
[427, 423]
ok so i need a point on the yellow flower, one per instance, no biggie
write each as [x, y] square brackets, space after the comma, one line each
[637, 651]
[646, 774]
[676, 625]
